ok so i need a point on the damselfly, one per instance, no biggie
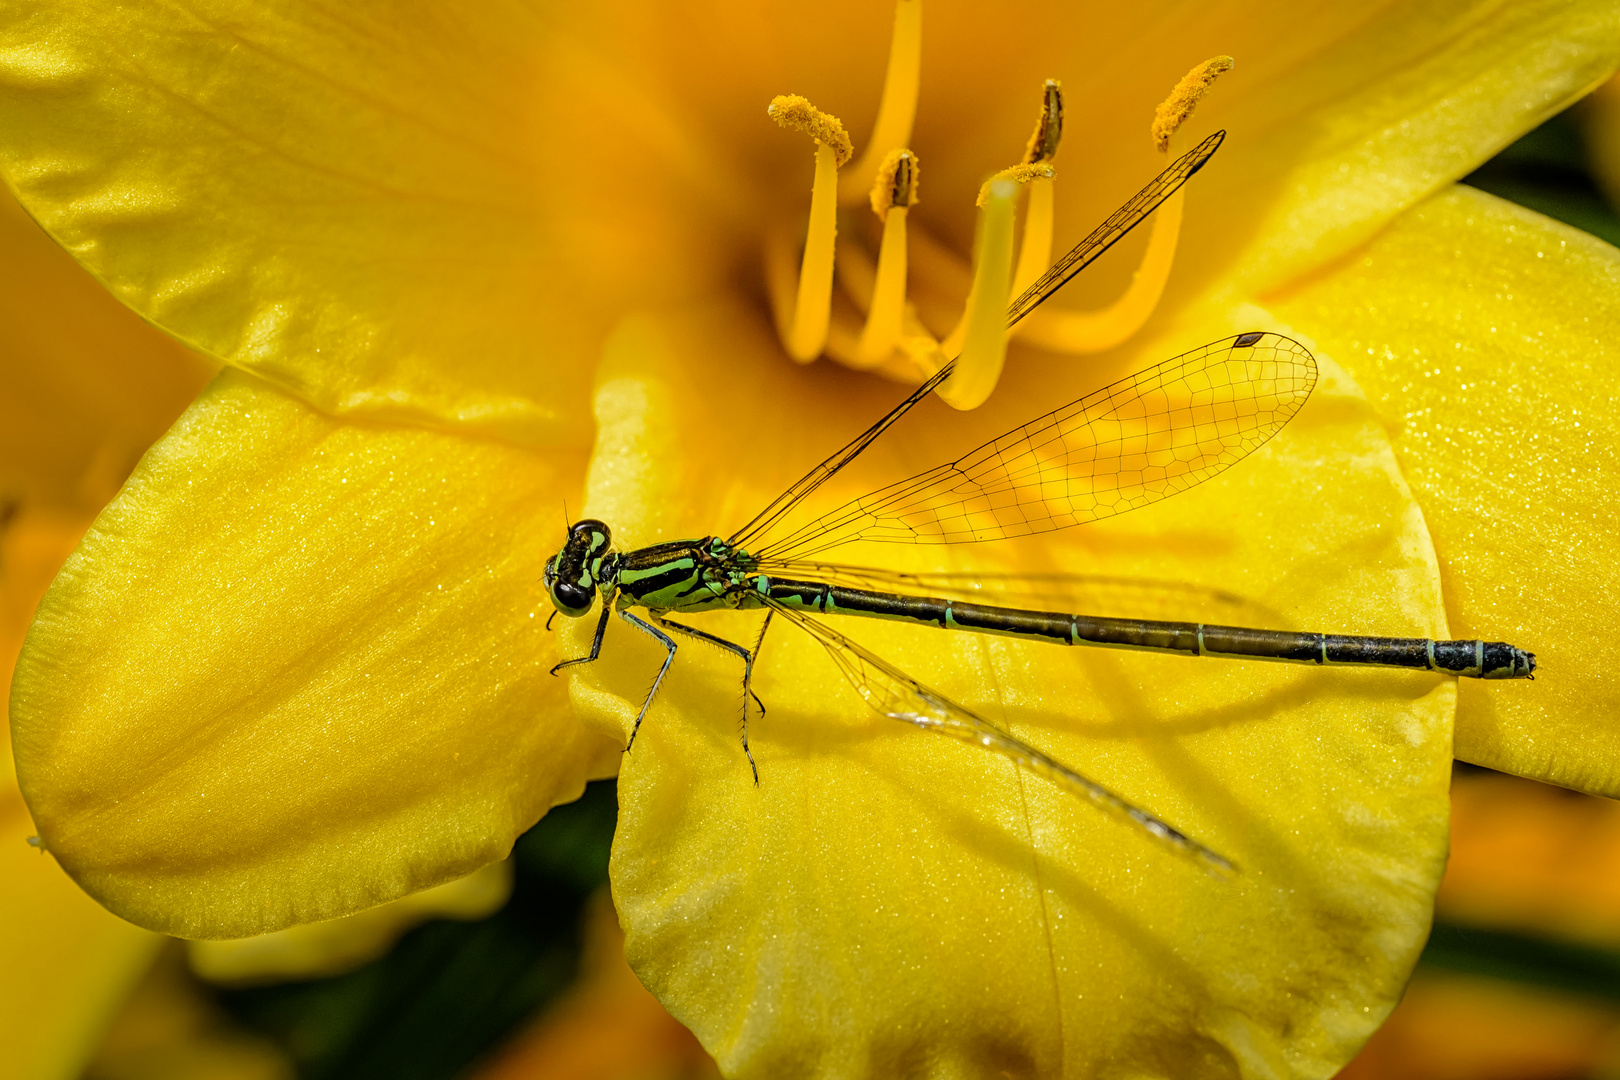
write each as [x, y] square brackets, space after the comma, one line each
[1158, 432]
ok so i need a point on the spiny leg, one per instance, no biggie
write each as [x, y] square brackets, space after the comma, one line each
[668, 643]
[748, 674]
[596, 642]
[748, 678]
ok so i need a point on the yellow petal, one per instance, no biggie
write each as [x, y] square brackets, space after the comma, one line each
[1488, 338]
[1327, 147]
[884, 899]
[402, 217]
[298, 668]
[85, 385]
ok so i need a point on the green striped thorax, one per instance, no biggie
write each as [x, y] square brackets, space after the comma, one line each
[682, 575]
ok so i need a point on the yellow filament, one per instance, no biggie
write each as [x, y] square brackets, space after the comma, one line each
[1035, 252]
[897, 110]
[882, 330]
[1175, 109]
[1094, 331]
[982, 333]
[812, 308]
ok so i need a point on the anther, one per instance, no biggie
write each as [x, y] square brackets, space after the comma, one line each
[896, 183]
[1043, 142]
[1179, 106]
[897, 110]
[893, 194]
[804, 329]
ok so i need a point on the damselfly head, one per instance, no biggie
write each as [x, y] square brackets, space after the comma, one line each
[571, 574]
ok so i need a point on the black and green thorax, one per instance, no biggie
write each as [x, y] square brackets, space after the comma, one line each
[681, 575]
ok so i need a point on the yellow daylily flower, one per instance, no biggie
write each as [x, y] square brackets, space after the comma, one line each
[297, 668]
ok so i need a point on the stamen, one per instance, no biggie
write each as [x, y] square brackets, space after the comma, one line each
[897, 110]
[804, 333]
[1035, 250]
[1175, 109]
[1095, 331]
[892, 197]
[983, 329]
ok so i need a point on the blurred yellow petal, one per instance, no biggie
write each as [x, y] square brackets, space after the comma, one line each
[1600, 129]
[67, 962]
[1452, 1027]
[608, 1027]
[342, 696]
[1533, 859]
[1488, 338]
[321, 950]
[85, 385]
[883, 898]
[169, 1030]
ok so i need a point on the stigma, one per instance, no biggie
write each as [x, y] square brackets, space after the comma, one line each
[875, 324]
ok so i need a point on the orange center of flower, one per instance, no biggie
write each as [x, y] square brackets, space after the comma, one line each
[894, 338]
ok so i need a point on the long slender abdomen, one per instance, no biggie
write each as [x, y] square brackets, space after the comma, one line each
[1474, 659]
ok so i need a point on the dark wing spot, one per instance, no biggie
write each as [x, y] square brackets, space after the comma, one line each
[1244, 341]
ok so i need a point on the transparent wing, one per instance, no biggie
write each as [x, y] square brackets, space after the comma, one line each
[893, 693]
[1142, 439]
[1102, 238]
[1089, 594]
[1119, 223]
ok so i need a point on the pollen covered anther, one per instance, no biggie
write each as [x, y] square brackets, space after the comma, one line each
[1178, 107]
[797, 114]
[896, 183]
[1018, 174]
